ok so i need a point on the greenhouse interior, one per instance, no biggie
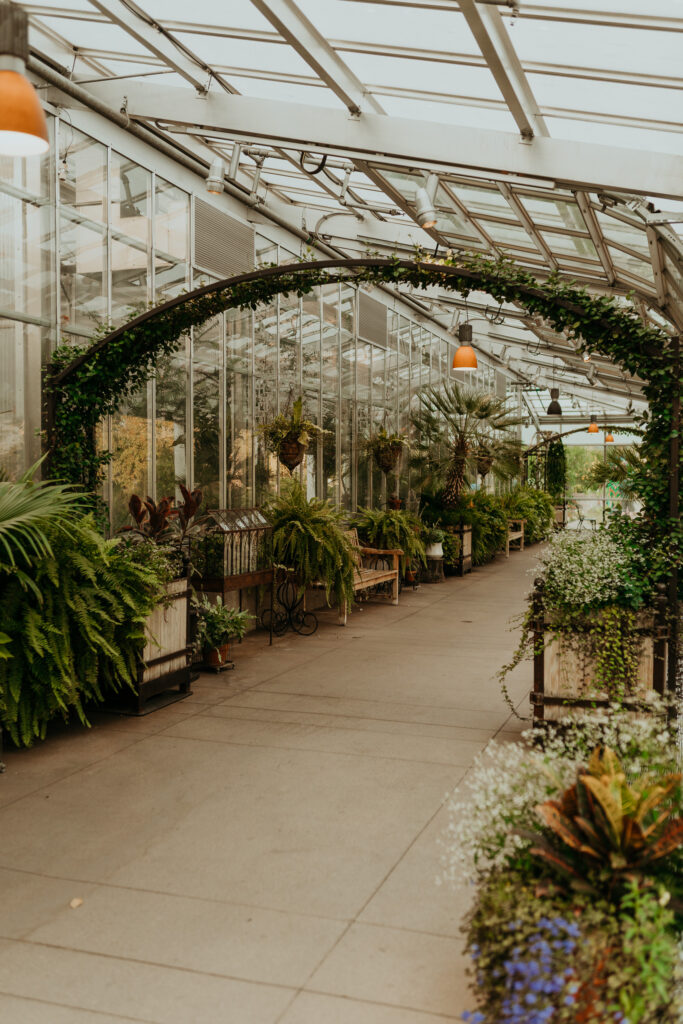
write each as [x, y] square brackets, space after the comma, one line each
[327, 328]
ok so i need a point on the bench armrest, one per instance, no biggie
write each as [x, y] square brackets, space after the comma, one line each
[519, 522]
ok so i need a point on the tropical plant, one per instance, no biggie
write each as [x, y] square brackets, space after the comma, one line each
[556, 469]
[83, 638]
[535, 507]
[288, 436]
[171, 527]
[29, 511]
[603, 829]
[456, 425]
[386, 448]
[622, 466]
[392, 530]
[218, 623]
[308, 538]
[451, 550]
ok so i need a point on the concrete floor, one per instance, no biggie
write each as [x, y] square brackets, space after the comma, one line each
[266, 850]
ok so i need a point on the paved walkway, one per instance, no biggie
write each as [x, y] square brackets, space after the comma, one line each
[266, 850]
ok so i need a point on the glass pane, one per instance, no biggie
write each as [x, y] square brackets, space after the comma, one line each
[82, 271]
[129, 281]
[132, 455]
[130, 200]
[82, 174]
[171, 424]
[207, 360]
[171, 240]
[238, 439]
[27, 283]
[20, 401]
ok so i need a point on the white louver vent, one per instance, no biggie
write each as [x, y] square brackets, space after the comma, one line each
[372, 319]
[222, 245]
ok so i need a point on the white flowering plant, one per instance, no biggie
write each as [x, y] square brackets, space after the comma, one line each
[592, 570]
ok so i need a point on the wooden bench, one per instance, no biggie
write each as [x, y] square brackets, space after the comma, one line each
[515, 532]
[367, 576]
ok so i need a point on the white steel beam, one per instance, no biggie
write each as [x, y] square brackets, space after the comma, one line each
[303, 36]
[594, 231]
[149, 34]
[486, 25]
[427, 145]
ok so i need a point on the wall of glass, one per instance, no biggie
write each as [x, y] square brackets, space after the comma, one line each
[90, 236]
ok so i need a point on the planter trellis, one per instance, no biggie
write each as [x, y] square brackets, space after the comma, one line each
[83, 385]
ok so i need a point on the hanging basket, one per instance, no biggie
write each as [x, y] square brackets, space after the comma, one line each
[291, 453]
[388, 458]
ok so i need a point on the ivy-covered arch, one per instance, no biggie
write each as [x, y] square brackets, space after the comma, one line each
[83, 385]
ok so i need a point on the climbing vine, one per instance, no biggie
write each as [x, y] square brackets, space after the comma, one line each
[89, 383]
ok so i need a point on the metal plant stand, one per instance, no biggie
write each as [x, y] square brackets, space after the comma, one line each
[289, 611]
[434, 572]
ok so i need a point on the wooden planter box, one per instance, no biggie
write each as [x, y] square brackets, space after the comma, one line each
[563, 677]
[167, 655]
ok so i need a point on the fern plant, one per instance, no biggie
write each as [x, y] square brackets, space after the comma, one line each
[308, 538]
[392, 529]
[82, 638]
[29, 511]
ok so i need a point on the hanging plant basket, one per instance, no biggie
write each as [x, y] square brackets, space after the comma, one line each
[291, 453]
[388, 458]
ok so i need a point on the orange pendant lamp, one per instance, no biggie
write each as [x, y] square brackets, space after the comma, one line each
[23, 128]
[609, 439]
[593, 425]
[465, 357]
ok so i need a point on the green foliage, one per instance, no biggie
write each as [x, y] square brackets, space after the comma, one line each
[100, 383]
[535, 507]
[556, 469]
[218, 624]
[392, 529]
[293, 427]
[462, 431]
[603, 830]
[308, 538]
[29, 510]
[578, 958]
[451, 550]
[621, 466]
[380, 441]
[83, 638]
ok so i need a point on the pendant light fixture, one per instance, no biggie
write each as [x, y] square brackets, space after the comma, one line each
[214, 180]
[465, 357]
[23, 128]
[554, 409]
[593, 425]
[609, 439]
[425, 198]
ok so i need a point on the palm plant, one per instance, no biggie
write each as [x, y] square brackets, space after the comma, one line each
[621, 466]
[458, 425]
[29, 510]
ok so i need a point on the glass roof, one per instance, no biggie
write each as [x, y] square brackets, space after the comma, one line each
[603, 73]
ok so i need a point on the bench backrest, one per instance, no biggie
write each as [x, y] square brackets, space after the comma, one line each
[352, 535]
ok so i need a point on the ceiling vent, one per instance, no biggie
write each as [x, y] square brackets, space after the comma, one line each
[222, 245]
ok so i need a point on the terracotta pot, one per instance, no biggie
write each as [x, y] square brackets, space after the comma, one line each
[291, 453]
[218, 656]
[395, 502]
[387, 458]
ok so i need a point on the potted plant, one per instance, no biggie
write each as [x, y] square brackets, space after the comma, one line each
[167, 528]
[288, 436]
[308, 539]
[217, 626]
[434, 538]
[386, 449]
[393, 529]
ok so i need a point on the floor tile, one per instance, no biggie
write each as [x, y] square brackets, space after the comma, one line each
[309, 1008]
[159, 995]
